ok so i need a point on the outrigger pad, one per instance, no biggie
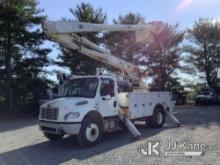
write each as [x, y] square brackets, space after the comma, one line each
[131, 127]
[173, 118]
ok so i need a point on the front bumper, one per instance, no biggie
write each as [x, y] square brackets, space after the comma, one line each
[71, 128]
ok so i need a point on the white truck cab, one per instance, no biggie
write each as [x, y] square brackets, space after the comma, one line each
[91, 105]
[84, 95]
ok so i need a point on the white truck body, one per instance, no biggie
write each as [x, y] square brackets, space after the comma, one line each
[66, 114]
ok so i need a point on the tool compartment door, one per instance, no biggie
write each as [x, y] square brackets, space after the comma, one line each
[137, 106]
[149, 100]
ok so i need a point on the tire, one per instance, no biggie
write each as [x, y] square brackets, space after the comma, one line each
[91, 131]
[157, 119]
[148, 121]
[53, 137]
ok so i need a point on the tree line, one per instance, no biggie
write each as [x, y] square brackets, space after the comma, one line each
[195, 51]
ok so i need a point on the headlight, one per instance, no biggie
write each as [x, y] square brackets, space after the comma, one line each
[71, 115]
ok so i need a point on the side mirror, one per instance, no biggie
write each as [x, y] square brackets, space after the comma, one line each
[107, 97]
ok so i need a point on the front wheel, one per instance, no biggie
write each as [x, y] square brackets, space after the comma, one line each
[91, 131]
[53, 137]
[157, 119]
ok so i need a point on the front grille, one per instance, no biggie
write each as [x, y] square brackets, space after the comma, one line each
[49, 113]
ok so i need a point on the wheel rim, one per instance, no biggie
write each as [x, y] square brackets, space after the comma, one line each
[159, 117]
[92, 132]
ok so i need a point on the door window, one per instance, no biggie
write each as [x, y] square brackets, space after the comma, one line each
[107, 87]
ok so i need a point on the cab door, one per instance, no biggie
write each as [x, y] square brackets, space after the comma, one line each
[107, 101]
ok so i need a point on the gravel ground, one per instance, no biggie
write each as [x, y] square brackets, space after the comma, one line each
[22, 143]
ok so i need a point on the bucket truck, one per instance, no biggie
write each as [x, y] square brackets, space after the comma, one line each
[93, 104]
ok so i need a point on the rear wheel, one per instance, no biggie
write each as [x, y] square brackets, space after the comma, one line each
[53, 137]
[91, 131]
[157, 119]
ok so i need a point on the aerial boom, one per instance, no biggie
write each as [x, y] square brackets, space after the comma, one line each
[66, 27]
[64, 32]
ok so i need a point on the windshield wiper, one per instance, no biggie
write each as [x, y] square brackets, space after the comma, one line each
[76, 95]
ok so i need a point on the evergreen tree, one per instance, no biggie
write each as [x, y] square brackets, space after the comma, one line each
[163, 58]
[159, 59]
[204, 50]
[76, 62]
[21, 54]
[123, 44]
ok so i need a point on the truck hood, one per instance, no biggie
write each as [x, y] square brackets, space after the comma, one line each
[68, 101]
[67, 105]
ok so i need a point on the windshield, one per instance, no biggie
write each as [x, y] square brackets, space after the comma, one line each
[82, 87]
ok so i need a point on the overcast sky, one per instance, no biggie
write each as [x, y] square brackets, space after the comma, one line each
[184, 12]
